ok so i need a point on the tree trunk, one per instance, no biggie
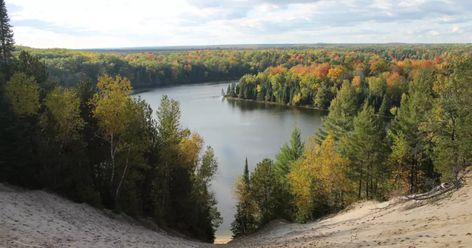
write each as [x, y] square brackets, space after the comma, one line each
[122, 176]
[112, 157]
[360, 182]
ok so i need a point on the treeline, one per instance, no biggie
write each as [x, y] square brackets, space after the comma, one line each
[156, 68]
[384, 135]
[316, 84]
[95, 143]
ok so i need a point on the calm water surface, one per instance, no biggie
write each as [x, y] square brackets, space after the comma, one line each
[235, 130]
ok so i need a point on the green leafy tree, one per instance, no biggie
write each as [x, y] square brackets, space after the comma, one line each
[204, 173]
[265, 191]
[33, 67]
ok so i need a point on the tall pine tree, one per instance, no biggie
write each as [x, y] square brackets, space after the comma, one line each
[410, 155]
[342, 110]
[244, 219]
[365, 148]
[6, 39]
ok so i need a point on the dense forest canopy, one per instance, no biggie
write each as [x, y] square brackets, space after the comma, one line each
[154, 68]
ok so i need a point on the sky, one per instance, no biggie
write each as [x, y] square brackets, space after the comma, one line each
[141, 23]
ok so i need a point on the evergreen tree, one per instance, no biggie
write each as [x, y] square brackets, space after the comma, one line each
[410, 144]
[288, 154]
[245, 218]
[383, 109]
[6, 39]
[246, 173]
[366, 149]
[341, 113]
[450, 124]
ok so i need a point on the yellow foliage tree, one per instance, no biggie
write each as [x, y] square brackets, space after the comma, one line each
[63, 112]
[335, 72]
[320, 173]
[22, 93]
[190, 148]
[112, 105]
[356, 81]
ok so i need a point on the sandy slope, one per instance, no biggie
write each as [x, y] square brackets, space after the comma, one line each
[40, 219]
[443, 221]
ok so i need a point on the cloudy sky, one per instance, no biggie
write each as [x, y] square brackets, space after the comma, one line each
[131, 23]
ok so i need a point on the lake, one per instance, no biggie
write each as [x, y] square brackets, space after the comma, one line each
[235, 129]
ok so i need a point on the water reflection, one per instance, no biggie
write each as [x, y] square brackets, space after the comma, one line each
[236, 130]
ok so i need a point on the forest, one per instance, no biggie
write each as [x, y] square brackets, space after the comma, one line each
[153, 68]
[393, 127]
[399, 122]
[93, 142]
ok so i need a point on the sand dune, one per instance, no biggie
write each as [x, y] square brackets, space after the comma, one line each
[40, 219]
[441, 221]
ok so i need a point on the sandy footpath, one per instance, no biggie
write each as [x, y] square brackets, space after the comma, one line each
[40, 219]
[442, 221]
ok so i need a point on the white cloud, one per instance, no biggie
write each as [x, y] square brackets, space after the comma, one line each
[121, 23]
[456, 29]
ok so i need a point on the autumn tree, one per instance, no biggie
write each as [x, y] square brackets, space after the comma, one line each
[319, 180]
[63, 115]
[112, 106]
[22, 93]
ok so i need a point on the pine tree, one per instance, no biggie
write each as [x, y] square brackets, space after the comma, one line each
[288, 154]
[244, 219]
[410, 145]
[342, 110]
[246, 173]
[365, 148]
[6, 38]
[451, 120]
[383, 109]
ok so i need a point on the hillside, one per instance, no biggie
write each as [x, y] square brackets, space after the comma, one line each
[444, 220]
[40, 219]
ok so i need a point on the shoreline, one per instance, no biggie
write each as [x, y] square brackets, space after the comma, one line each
[274, 103]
